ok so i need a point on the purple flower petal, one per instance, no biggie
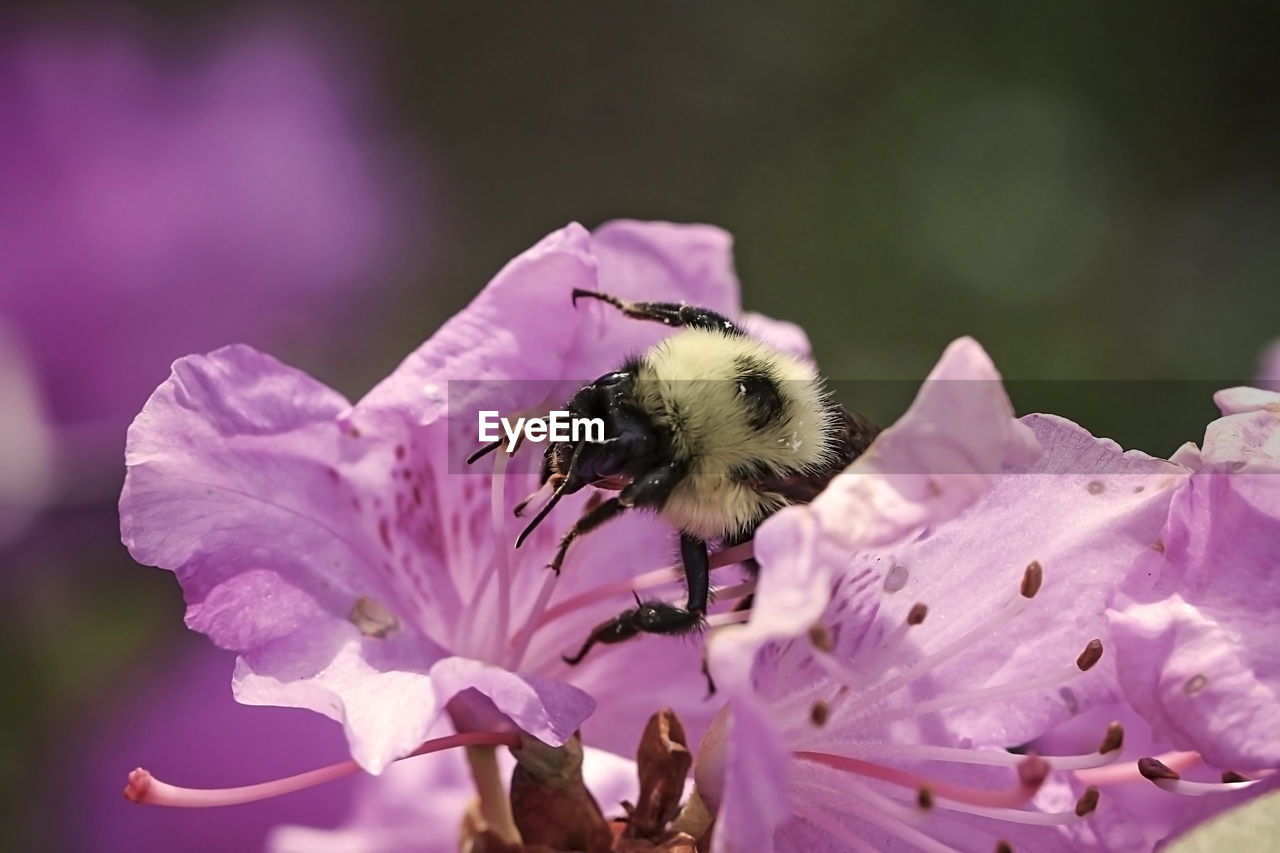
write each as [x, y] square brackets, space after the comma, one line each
[1192, 659]
[1133, 814]
[1088, 513]
[741, 776]
[1192, 665]
[935, 461]
[523, 325]
[359, 568]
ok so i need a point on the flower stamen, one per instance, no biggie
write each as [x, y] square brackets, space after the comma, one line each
[1170, 780]
[872, 662]
[1118, 774]
[1106, 753]
[1084, 806]
[1030, 584]
[1032, 771]
[145, 788]
[1090, 656]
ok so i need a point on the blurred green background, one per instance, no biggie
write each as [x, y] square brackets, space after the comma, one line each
[1092, 191]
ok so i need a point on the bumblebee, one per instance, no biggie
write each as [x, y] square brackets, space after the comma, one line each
[712, 430]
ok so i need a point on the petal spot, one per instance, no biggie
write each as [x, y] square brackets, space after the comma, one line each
[896, 578]
[1096, 487]
[1069, 699]
[1158, 546]
[1195, 684]
[372, 618]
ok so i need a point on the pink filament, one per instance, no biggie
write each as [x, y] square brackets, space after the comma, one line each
[1116, 774]
[1002, 798]
[145, 788]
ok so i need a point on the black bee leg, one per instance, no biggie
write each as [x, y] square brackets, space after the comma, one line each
[649, 489]
[650, 617]
[697, 573]
[667, 313]
[590, 520]
[657, 617]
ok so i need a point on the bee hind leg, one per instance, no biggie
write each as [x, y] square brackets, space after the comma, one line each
[659, 617]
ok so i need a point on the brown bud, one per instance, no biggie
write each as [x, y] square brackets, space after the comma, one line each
[550, 802]
[663, 760]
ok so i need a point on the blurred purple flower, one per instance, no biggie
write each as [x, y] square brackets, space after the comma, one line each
[819, 715]
[361, 572]
[26, 454]
[155, 208]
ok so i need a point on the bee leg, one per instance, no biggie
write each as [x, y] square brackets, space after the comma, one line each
[697, 573]
[673, 314]
[658, 617]
[651, 617]
[649, 489]
[589, 521]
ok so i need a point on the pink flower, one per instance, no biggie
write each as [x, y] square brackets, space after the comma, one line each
[361, 571]
[885, 715]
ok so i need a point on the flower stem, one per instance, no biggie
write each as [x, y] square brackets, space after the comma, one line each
[495, 807]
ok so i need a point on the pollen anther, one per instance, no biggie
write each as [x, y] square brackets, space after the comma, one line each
[1091, 655]
[1031, 579]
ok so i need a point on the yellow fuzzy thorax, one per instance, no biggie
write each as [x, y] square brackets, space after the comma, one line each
[688, 384]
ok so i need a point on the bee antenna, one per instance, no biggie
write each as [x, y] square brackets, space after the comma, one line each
[636, 596]
[555, 497]
[484, 451]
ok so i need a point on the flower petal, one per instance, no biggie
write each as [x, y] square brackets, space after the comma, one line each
[1193, 658]
[548, 710]
[245, 480]
[937, 459]
[523, 325]
[741, 774]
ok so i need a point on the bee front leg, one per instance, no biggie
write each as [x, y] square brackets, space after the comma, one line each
[592, 519]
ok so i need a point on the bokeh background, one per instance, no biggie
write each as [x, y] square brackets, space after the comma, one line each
[1093, 191]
